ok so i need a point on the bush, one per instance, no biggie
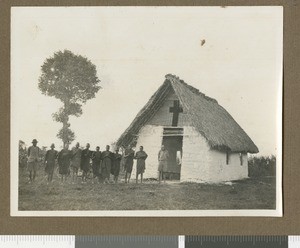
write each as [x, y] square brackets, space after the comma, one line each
[22, 154]
[262, 166]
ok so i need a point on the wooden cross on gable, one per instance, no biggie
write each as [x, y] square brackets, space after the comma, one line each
[176, 109]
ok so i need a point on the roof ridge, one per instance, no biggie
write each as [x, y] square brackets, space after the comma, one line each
[190, 87]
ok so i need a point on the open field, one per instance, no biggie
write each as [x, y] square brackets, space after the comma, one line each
[253, 193]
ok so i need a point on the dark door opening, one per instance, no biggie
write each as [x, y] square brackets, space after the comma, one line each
[173, 144]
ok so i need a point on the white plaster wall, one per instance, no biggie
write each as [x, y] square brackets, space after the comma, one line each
[199, 162]
[195, 156]
[150, 137]
[220, 171]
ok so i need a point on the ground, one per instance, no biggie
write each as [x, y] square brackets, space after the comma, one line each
[252, 193]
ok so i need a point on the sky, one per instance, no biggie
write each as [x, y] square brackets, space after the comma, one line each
[133, 48]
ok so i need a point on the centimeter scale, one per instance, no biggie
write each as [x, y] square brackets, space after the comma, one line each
[69, 241]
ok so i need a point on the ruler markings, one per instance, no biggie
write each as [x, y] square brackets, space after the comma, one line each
[127, 241]
[36, 241]
[181, 241]
[294, 241]
[236, 241]
[69, 241]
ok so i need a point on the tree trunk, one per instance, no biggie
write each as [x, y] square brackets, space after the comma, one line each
[65, 128]
[65, 125]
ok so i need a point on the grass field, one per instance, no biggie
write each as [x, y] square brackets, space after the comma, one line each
[252, 193]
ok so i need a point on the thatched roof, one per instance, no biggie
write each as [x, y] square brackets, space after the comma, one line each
[218, 127]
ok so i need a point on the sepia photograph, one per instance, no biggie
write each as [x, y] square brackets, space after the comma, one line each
[146, 111]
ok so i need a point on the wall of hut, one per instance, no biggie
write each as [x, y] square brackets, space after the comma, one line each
[234, 170]
[200, 163]
[150, 137]
[195, 156]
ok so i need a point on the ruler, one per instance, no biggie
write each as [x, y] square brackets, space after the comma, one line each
[70, 241]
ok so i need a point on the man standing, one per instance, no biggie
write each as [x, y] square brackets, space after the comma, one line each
[85, 162]
[117, 161]
[96, 159]
[64, 161]
[75, 162]
[140, 157]
[106, 157]
[32, 162]
[129, 155]
[163, 156]
[49, 162]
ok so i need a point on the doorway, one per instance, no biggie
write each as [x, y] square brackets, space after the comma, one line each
[172, 140]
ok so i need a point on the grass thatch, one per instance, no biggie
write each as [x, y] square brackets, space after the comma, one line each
[210, 119]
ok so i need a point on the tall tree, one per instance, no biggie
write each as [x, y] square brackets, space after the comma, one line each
[73, 80]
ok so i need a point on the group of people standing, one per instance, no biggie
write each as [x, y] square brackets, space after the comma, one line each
[104, 163]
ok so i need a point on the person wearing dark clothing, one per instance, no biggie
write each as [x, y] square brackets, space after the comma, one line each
[140, 157]
[75, 162]
[107, 157]
[85, 161]
[129, 155]
[64, 160]
[96, 160]
[49, 162]
[116, 165]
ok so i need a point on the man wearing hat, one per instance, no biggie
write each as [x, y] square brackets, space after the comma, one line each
[49, 162]
[33, 157]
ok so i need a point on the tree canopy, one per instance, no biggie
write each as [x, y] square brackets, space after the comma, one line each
[73, 80]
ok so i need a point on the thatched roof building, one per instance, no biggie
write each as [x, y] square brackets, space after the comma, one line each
[201, 130]
[218, 127]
